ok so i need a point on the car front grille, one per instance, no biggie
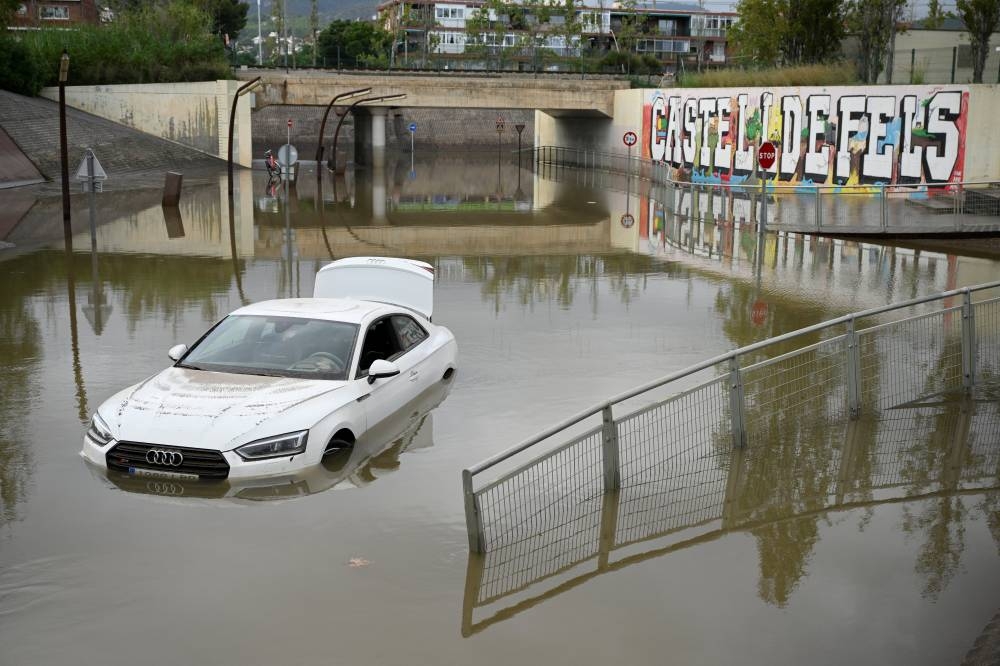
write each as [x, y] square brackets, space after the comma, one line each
[206, 464]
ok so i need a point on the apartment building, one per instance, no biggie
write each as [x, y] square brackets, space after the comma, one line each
[681, 35]
[55, 13]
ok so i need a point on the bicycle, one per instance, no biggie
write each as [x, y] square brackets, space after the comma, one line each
[271, 164]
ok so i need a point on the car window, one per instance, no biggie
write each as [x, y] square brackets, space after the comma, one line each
[276, 346]
[410, 333]
[381, 343]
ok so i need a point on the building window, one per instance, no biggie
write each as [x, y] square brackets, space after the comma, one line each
[449, 12]
[22, 9]
[53, 13]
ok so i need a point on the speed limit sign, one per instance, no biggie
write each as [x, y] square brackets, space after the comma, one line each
[630, 139]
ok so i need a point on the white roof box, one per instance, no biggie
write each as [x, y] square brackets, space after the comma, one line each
[404, 282]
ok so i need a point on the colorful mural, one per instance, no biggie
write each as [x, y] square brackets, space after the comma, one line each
[842, 137]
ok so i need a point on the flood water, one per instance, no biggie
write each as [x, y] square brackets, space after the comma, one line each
[556, 304]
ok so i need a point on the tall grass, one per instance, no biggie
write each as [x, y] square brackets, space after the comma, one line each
[803, 75]
[156, 44]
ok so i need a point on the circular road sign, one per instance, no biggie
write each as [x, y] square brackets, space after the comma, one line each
[287, 155]
[289, 123]
[630, 139]
[627, 220]
[766, 155]
[758, 313]
[413, 127]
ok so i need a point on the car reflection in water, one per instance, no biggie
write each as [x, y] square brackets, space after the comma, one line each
[373, 455]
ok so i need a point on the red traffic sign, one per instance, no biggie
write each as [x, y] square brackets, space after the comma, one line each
[758, 312]
[766, 155]
[627, 220]
[289, 123]
[630, 139]
[500, 123]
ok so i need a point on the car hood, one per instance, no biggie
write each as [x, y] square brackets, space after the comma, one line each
[210, 410]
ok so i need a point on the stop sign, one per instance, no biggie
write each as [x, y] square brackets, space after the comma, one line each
[766, 155]
[758, 312]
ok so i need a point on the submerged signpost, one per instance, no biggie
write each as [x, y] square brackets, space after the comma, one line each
[765, 160]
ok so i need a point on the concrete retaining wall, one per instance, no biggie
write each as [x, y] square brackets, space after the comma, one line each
[838, 135]
[191, 114]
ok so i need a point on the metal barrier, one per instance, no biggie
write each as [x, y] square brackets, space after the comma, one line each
[862, 362]
[963, 207]
[899, 455]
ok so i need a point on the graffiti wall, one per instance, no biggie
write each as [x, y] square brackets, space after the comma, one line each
[843, 136]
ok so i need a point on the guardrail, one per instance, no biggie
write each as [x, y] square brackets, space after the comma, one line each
[961, 207]
[905, 455]
[835, 369]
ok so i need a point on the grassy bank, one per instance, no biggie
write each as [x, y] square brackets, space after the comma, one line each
[156, 44]
[805, 75]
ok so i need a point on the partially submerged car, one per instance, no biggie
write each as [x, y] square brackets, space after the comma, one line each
[275, 386]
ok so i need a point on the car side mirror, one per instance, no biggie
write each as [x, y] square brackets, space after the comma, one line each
[177, 351]
[381, 369]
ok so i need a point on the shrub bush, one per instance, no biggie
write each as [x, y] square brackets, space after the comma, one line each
[805, 75]
[19, 72]
[154, 44]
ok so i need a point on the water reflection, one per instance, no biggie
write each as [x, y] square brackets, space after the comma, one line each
[935, 461]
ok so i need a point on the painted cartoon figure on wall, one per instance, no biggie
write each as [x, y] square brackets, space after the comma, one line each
[825, 136]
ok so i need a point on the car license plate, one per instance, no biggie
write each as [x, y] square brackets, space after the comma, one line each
[161, 474]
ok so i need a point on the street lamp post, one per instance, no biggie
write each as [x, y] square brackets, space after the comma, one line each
[242, 90]
[63, 150]
[322, 125]
[260, 42]
[336, 132]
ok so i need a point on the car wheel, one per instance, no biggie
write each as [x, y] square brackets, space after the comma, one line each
[337, 444]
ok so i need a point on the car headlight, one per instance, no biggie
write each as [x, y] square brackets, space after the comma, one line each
[99, 432]
[274, 447]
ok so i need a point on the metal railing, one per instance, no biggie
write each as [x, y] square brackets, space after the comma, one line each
[864, 361]
[900, 455]
[962, 207]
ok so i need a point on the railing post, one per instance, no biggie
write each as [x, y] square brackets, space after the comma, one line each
[609, 450]
[819, 209]
[884, 210]
[736, 403]
[968, 342]
[853, 372]
[473, 521]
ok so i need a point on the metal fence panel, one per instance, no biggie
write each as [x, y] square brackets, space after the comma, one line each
[987, 366]
[553, 492]
[911, 358]
[811, 380]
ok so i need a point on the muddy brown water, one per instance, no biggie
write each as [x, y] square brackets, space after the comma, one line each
[555, 305]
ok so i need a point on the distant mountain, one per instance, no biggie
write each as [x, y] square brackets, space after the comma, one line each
[328, 10]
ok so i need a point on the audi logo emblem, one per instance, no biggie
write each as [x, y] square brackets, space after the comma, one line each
[164, 457]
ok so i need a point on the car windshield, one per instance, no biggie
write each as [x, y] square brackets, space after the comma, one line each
[275, 346]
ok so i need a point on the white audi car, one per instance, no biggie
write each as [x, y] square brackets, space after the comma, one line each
[275, 386]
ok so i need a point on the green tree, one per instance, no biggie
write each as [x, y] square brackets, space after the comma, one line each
[935, 15]
[789, 32]
[759, 32]
[358, 43]
[874, 23]
[981, 18]
[229, 17]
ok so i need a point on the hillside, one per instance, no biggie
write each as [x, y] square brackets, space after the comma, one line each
[328, 10]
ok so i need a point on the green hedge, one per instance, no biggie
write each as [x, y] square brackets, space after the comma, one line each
[156, 44]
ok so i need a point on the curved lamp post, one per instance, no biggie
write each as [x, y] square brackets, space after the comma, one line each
[63, 150]
[322, 125]
[242, 90]
[336, 133]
